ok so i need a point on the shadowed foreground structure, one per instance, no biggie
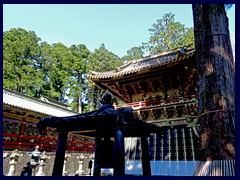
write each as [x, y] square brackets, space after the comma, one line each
[109, 126]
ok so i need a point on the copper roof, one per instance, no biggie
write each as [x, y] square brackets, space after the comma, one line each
[143, 64]
[20, 100]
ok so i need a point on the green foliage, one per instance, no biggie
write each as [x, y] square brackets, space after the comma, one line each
[21, 61]
[76, 64]
[56, 71]
[166, 34]
[103, 60]
[91, 97]
[133, 53]
[100, 60]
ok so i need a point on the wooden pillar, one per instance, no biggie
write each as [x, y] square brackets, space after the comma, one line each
[146, 167]
[22, 128]
[73, 142]
[97, 168]
[21, 133]
[60, 153]
[119, 156]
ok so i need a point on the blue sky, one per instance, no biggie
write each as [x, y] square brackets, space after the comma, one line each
[119, 26]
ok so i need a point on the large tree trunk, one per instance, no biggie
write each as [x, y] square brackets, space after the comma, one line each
[216, 90]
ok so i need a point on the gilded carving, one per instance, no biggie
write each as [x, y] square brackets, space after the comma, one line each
[50, 133]
[173, 93]
[31, 130]
[11, 127]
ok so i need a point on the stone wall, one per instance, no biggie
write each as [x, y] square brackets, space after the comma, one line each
[71, 166]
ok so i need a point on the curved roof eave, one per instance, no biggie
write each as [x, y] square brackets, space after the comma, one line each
[143, 64]
[19, 100]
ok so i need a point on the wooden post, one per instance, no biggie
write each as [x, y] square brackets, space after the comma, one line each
[119, 156]
[97, 168]
[146, 167]
[60, 153]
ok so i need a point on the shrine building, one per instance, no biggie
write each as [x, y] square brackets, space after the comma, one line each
[20, 116]
[162, 90]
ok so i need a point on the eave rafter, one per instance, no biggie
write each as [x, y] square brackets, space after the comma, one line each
[133, 75]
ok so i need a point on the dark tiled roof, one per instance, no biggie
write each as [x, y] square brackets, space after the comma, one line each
[143, 64]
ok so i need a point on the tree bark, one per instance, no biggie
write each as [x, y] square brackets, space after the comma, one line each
[216, 83]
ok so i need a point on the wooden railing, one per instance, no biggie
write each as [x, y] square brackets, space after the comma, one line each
[42, 142]
[159, 102]
[188, 120]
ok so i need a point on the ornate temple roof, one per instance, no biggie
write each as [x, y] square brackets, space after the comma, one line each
[42, 105]
[153, 73]
[143, 65]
